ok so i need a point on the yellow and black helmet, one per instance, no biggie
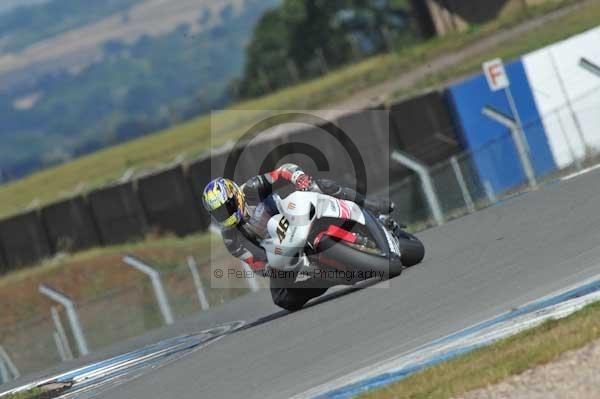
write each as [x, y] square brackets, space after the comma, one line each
[224, 200]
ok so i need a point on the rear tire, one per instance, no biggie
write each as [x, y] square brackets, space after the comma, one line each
[293, 299]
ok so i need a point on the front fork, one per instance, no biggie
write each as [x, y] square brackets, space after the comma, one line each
[392, 225]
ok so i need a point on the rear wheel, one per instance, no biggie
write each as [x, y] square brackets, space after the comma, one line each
[291, 298]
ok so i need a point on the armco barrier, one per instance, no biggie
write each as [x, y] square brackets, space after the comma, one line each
[423, 128]
[118, 213]
[24, 239]
[198, 175]
[261, 155]
[320, 154]
[3, 264]
[218, 161]
[169, 203]
[368, 131]
[70, 225]
[271, 153]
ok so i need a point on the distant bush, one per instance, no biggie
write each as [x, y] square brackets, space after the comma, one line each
[304, 38]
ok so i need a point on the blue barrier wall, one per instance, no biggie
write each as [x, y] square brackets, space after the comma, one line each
[495, 155]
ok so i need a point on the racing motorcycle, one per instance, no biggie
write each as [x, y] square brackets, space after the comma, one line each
[319, 236]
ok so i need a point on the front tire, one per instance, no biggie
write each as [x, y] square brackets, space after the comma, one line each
[341, 256]
[411, 249]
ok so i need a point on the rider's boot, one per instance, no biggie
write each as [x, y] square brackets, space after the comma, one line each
[379, 206]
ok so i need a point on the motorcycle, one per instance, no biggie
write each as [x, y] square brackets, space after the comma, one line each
[319, 236]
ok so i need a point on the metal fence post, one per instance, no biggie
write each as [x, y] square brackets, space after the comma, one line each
[489, 192]
[426, 182]
[4, 377]
[71, 315]
[519, 138]
[463, 185]
[8, 363]
[569, 104]
[60, 333]
[198, 283]
[572, 153]
[60, 347]
[589, 66]
[161, 297]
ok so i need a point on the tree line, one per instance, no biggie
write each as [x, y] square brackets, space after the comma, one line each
[302, 39]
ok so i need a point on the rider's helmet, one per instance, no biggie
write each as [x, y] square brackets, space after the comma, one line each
[224, 200]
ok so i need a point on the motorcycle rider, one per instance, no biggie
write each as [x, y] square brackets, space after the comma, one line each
[243, 212]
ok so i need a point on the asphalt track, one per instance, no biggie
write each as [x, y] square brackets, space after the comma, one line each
[476, 267]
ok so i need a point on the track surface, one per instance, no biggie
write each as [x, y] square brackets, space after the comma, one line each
[476, 267]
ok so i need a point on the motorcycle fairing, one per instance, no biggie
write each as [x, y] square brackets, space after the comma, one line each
[289, 230]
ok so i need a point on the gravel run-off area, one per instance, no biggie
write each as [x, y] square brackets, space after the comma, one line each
[573, 375]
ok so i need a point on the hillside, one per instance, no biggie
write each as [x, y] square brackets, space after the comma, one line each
[26, 25]
[124, 69]
[9, 5]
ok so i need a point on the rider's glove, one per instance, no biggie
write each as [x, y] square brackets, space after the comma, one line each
[302, 181]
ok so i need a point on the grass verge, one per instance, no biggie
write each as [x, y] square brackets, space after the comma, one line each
[46, 392]
[496, 362]
[30, 394]
[114, 302]
[192, 138]
[90, 274]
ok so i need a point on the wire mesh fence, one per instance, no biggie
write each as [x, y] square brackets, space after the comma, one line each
[126, 311]
[30, 344]
[476, 179]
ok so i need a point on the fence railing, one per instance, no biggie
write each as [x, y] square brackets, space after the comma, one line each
[470, 180]
[126, 311]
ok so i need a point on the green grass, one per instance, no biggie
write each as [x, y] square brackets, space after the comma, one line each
[30, 394]
[115, 302]
[92, 273]
[495, 363]
[193, 138]
[198, 243]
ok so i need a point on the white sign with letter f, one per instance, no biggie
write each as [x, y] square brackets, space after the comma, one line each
[496, 74]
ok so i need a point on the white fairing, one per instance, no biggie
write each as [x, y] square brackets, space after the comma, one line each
[289, 230]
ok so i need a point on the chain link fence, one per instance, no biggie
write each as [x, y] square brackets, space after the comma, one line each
[124, 312]
[461, 188]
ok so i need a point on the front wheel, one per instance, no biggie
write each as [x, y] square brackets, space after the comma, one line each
[411, 249]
